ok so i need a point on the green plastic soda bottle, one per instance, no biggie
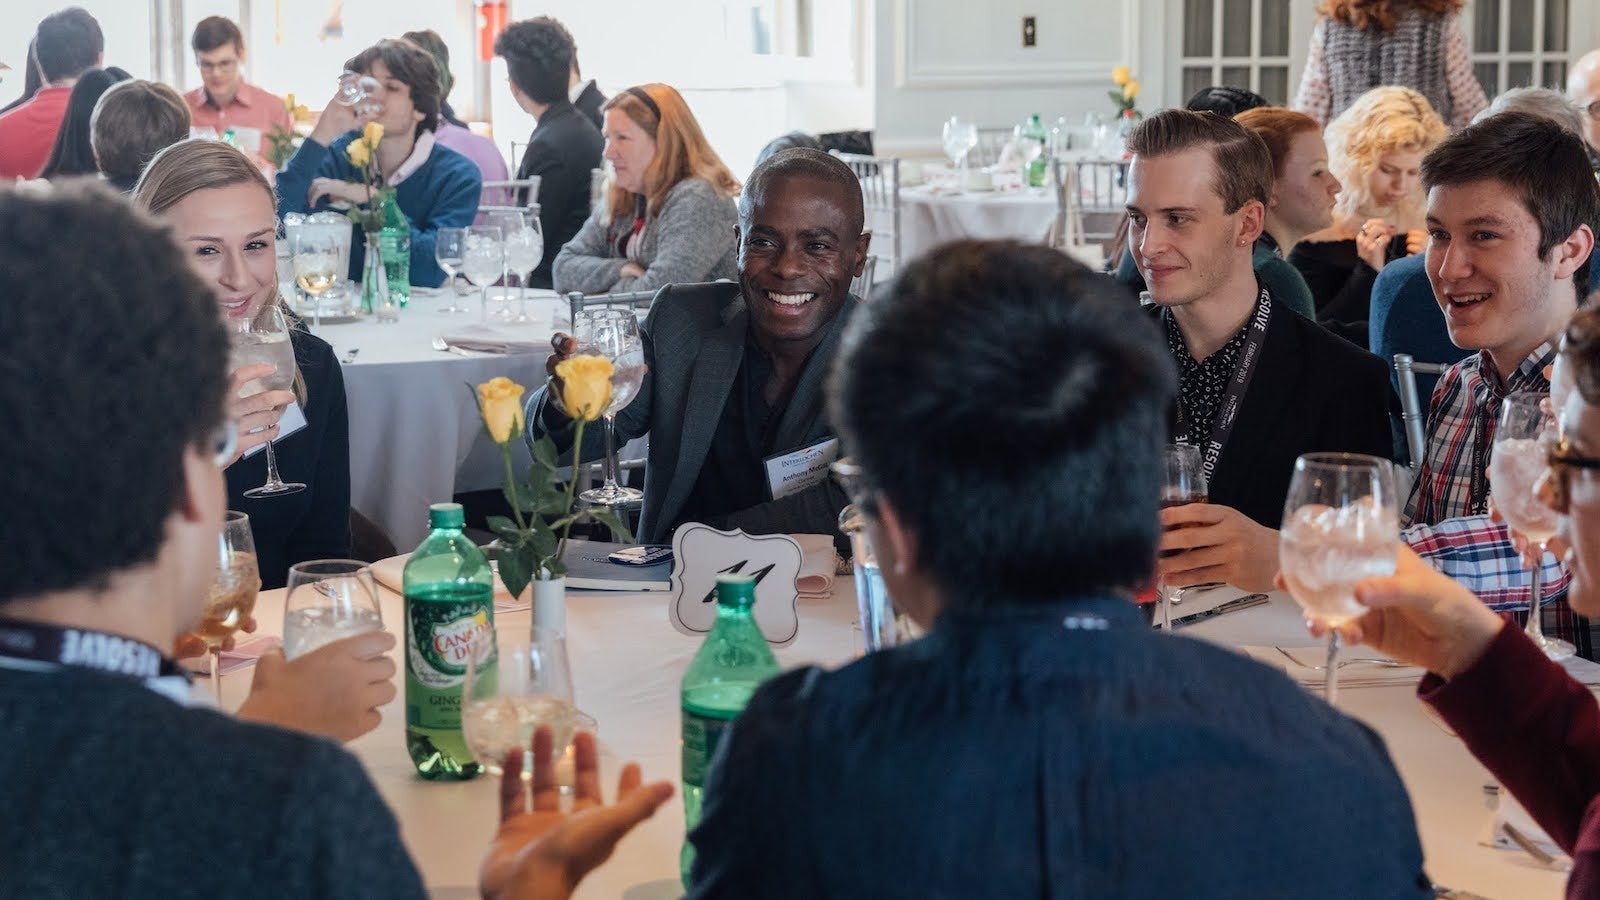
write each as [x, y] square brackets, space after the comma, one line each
[395, 238]
[730, 665]
[449, 600]
[1038, 171]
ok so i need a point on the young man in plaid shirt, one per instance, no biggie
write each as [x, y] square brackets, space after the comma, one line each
[1512, 214]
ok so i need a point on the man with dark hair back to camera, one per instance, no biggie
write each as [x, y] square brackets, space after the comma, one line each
[1257, 385]
[224, 101]
[733, 385]
[1028, 745]
[66, 44]
[117, 784]
[565, 147]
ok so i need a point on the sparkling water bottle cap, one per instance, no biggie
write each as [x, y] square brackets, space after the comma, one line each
[446, 515]
[736, 590]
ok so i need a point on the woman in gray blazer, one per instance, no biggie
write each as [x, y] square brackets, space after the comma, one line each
[667, 215]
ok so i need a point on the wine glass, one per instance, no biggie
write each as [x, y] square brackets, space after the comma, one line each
[484, 259]
[1183, 482]
[516, 683]
[233, 591]
[524, 251]
[265, 339]
[1341, 524]
[317, 270]
[328, 600]
[959, 139]
[449, 245]
[359, 92]
[614, 334]
[1521, 443]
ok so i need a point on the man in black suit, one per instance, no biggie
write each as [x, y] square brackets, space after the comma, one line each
[732, 399]
[1257, 386]
[565, 147]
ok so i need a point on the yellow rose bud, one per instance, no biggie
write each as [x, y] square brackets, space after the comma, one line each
[288, 102]
[372, 134]
[500, 404]
[1120, 75]
[585, 386]
[358, 154]
[1130, 90]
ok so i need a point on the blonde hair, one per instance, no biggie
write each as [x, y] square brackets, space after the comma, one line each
[1382, 120]
[682, 151]
[200, 164]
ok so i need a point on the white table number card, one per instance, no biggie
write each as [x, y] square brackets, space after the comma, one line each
[701, 553]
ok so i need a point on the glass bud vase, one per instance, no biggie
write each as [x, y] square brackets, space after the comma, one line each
[375, 297]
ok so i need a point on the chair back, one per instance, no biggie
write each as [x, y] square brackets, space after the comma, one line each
[522, 192]
[861, 285]
[880, 195]
[578, 301]
[1067, 233]
[1412, 413]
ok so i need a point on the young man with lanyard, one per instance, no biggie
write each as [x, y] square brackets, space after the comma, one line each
[1257, 386]
[1509, 250]
[1024, 747]
[117, 784]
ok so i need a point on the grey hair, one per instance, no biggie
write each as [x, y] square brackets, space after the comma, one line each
[1537, 101]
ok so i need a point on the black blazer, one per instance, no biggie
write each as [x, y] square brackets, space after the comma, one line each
[1312, 391]
[563, 151]
[589, 103]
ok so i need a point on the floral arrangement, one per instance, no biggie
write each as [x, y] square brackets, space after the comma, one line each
[280, 141]
[1127, 94]
[361, 153]
[533, 541]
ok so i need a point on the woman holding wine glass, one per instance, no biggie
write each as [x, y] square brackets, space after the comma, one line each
[223, 214]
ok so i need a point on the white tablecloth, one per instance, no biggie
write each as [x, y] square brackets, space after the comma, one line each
[930, 216]
[627, 662]
[415, 436]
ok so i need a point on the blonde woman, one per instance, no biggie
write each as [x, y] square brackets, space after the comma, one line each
[223, 215]
[1375, 150]
[667, 215]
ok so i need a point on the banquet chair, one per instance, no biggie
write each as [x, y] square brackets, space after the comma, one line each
[1412, 412]
[639, 301]
[880, 195]
[1066, 231]
[522, 192]
[861, 285]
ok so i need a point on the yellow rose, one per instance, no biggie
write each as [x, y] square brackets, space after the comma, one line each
[500, 404]
[585, 386]
[358, 153]
[288, 102]
[1130, 90]
[372, 134]
[1120, 75]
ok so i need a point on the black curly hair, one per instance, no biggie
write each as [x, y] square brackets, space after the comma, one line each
[109, 376]
[539, 56]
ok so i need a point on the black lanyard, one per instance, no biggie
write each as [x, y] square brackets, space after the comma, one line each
[84, 649]
[1244, 371]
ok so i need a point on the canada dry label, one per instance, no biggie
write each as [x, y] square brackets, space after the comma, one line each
[439, 636]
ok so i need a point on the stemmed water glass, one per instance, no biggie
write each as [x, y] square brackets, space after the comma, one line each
[614, 334]
[1184, 482]
[524, 251]
[233, 591]
[328, 600]
[1521, 443]
[449, 246]
[959, 139]
[515, 683]
[1341, 524]
[265, 340]
[317, 270]
[484, 259]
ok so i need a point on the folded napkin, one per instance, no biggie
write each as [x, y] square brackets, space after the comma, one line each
[391, 574]
[1303, 665]
[243, 655]
[501, 338]
[818, 563]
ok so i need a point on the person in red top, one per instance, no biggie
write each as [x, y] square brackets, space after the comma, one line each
[1527, 720]
[66, 44]
[224, 100]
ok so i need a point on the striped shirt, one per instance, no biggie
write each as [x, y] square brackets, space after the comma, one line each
[1448, 509]
[1426, 53]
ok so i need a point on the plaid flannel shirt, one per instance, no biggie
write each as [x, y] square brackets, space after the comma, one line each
[1447, 512]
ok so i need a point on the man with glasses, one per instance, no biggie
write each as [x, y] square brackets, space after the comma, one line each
[225, 101]
[1005, 406]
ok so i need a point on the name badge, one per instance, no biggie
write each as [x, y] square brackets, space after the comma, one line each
[791, 473]
[292, 420]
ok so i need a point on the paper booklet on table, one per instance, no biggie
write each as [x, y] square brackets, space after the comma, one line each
[589, 570]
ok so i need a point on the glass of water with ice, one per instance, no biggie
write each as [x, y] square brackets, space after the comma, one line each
[328, 600]
[1341, 524]
[516, 682]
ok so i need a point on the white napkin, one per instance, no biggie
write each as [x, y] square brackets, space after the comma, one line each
[818, 562]
[1354, 673]
[500, 338]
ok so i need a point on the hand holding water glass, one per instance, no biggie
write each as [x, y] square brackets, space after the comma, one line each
[1522, 440]
[515, 683]
[264, 340]
[328, 600]
[1341, 524]
[1184, 482]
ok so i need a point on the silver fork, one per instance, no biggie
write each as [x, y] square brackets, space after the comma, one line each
[1368, 660]
[350, 355]
[445, 346]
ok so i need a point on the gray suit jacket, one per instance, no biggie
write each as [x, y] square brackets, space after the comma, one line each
[694, 339]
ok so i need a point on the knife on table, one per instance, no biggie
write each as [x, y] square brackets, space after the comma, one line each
[1245, 602]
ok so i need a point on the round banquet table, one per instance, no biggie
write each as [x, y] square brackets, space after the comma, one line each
[415, 435]
[933, 214]
[627, 661]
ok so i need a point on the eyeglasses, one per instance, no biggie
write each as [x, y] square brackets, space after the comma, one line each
[223, 67]
[224, 441]
[1564, 460]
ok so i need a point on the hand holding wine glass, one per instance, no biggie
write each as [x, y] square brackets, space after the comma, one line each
[1184, 482]
[328, 600]
[1341, 525]
[1521, 444]
[265, 341]
[232, 597]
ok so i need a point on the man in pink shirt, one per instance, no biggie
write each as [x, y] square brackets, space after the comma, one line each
[224, 100]
[66, 44]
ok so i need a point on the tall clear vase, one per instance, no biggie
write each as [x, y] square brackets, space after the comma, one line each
[376, 300]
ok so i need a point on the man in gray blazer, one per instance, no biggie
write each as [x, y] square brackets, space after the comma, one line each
[733, 395]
